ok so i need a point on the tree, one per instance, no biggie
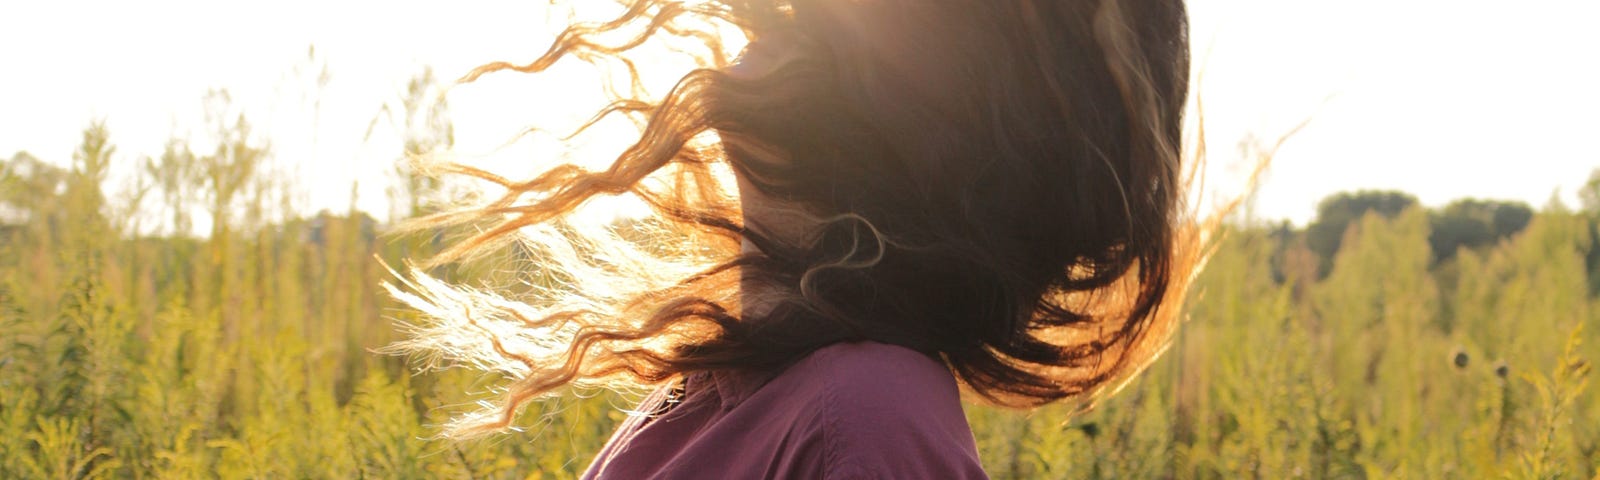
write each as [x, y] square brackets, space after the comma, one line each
[1336, 212]
[1589, 195]
[425, 129]
[1475, 223]
[173, 174]
[28, 186]
[231, 165]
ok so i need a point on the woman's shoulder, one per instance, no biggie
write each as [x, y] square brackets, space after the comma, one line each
[864, 369]
[861, 372]
[886, 409]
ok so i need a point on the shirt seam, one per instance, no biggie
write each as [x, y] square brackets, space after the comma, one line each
[830, 435]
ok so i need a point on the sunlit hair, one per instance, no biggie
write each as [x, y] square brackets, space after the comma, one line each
[997, 183]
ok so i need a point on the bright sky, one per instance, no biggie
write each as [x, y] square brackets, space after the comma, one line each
[1443, 99]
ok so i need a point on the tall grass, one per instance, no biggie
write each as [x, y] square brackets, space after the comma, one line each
[245, 353]
[1379, 370]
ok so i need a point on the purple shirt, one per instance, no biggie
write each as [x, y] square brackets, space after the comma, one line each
[846, 411]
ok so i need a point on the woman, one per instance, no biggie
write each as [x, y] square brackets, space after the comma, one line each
[930, 193]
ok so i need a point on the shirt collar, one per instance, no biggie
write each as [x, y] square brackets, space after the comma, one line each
[734, 386]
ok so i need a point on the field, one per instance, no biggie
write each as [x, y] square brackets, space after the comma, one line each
[246, 352]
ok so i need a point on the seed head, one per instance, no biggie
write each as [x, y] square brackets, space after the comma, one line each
[1090, 429]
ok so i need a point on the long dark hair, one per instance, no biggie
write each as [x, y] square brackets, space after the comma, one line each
[997, 183]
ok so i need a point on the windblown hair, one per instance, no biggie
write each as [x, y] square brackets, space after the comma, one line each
[997, 183]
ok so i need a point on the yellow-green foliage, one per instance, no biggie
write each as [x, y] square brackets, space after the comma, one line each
[242, 354]
[246, 353]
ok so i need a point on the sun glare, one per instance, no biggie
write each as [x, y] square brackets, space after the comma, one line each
[550, 106]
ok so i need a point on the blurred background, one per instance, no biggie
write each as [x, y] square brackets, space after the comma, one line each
[193, 194]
